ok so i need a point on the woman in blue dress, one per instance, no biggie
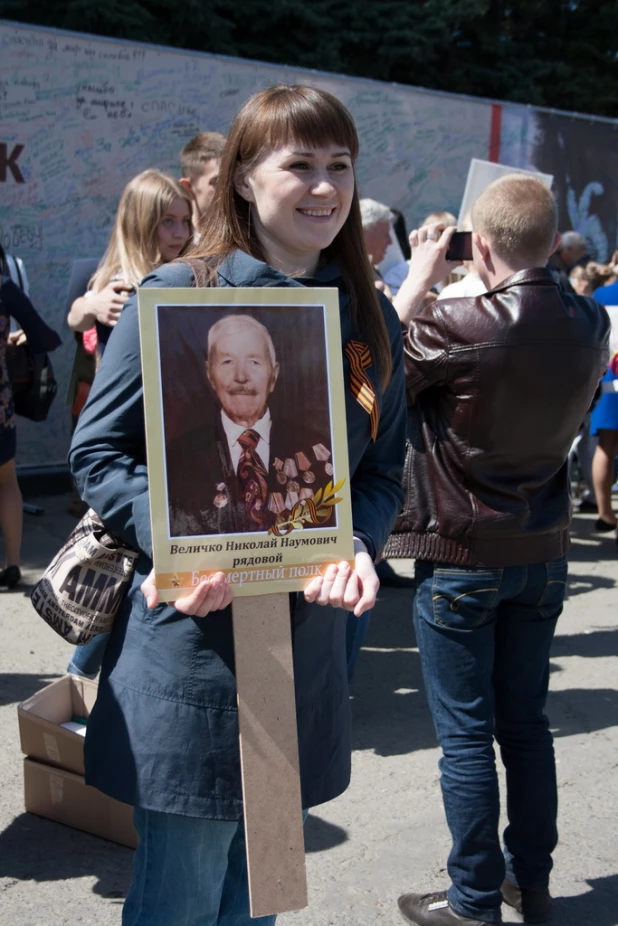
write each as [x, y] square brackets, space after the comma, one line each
[604, 426]
[163, 735]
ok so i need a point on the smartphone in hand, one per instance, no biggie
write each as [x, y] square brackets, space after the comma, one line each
[460, 247]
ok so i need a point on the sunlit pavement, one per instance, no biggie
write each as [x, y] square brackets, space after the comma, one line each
[387, 833]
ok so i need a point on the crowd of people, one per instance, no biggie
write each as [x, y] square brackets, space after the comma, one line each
[459, 457]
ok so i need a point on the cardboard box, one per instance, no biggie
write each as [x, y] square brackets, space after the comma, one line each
[66, 798]
[54, 785]
[40, 717]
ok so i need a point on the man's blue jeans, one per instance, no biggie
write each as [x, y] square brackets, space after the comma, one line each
[484, 637]
[189, 872]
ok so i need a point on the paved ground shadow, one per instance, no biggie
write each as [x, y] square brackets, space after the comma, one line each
[17, 686]
[389, 709]
[582, 710]
[34, 849]
[321, 835]
[597, 907]
[580, 584]
[588, 545]
[602, 642]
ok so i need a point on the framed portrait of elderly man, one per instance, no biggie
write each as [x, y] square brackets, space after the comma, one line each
[246, 436]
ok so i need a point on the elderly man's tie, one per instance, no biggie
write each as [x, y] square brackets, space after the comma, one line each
[252, 478]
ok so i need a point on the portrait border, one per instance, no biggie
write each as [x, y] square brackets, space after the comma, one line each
[256, 563]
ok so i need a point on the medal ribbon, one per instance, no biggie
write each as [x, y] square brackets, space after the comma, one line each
[359, 357]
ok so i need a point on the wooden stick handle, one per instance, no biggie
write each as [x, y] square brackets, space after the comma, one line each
[269, 754]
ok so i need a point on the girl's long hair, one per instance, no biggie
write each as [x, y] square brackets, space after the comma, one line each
[271, 119]
[133, 248]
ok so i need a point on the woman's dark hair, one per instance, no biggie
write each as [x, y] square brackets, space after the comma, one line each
[4, 266]
[272, 119]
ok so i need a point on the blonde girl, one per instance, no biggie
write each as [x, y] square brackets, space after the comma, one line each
[152, 227]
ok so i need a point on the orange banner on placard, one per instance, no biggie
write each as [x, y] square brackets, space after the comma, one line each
[184, 581]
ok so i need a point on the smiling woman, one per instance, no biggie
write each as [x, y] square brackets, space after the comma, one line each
[298, 201]
[163, 735]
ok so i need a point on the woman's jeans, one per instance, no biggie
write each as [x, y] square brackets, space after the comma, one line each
[484, 637]
[189, 872]
[86, 660]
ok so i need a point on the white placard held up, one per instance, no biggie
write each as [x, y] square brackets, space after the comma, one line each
[482, 173]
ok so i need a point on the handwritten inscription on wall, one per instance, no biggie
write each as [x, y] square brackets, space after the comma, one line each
[81, 115]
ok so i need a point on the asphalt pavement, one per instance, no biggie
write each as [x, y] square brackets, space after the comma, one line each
[387, 834]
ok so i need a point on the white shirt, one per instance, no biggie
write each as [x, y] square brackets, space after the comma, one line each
[469, 285]
[233, 432]
[395, 275]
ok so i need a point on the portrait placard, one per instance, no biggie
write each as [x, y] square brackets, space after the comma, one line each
[246, 436]
[482, 173]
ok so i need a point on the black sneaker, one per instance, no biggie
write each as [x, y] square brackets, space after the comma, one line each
[604, 527]
[533, 906]
[10, 576]
[433, 910]
[587, 504]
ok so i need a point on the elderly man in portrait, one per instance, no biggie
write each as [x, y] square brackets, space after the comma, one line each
[248, 471]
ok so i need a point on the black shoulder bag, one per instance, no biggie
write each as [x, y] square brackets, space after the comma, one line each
[30, 371]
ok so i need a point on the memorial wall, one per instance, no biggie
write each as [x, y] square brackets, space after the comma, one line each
[80, 115]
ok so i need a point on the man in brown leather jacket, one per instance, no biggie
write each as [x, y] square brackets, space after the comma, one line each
[497, 388]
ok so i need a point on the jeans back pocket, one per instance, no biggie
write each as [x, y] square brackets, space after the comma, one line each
[464, 599]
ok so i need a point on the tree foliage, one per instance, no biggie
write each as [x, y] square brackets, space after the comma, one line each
[555, 53]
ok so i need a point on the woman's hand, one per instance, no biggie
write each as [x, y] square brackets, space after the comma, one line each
[104, 307]
[341, 587]
[107, 305]
[384, 288]
[212, 594]
[17, 338]
[428, 265]
[429, 246]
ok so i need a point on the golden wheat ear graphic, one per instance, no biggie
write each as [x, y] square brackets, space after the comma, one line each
[316, 510]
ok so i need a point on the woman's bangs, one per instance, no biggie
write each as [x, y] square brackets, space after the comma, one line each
[312, 124]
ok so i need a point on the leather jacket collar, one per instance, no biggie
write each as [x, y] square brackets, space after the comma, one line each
[539, 276]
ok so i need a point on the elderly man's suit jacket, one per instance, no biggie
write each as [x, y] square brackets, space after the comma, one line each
[204, 493]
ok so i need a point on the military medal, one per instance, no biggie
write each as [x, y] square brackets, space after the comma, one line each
[220, 500]
[309, 477]
[328, 469]
[276, 503]
[277, 463]
[302, 461]
[282, 478]
[290, 499]
[306, 493]
[293, 486]
[321, 452]
[289, 468]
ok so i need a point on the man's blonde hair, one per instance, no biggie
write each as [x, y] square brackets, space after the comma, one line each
[441, 217]
[197, 153]
[518, 216]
